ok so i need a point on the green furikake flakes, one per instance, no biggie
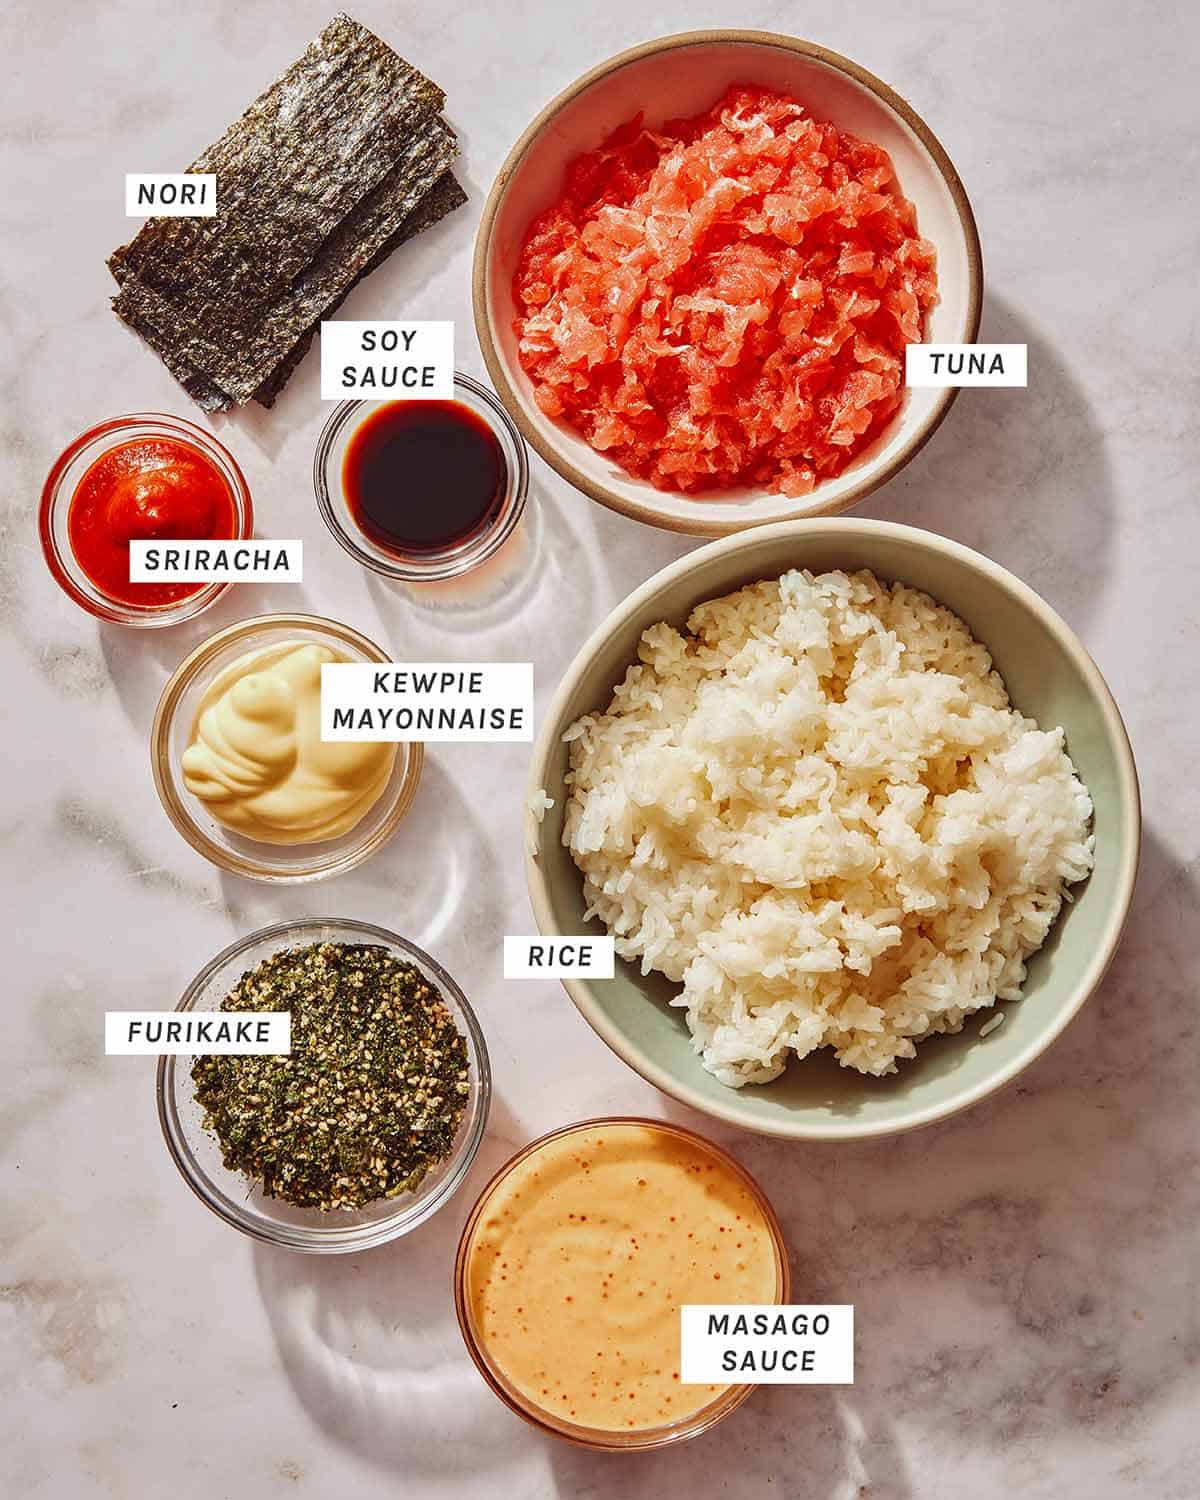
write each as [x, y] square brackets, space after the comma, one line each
[370, 1096]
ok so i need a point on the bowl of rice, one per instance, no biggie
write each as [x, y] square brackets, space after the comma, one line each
[699, 268]
[860, 814]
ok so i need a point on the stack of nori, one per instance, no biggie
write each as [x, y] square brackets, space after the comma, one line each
[341, 160]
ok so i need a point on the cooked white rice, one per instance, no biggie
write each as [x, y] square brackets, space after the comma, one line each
[817, 812]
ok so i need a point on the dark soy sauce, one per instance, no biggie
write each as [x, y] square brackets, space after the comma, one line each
[423, 476]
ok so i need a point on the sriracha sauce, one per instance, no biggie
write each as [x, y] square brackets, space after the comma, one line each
[149, 489]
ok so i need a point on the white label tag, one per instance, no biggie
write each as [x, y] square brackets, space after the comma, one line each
[429, 701]
[216, 562]
[796, 1344]
[396, 361]
[170, 195]
[227, 1033]
[586, 957]
[965, 364]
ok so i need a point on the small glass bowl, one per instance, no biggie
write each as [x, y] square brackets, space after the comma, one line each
[604, 1439]
[62, 482]
[423, 567]
[232, 1196]
[172, 732]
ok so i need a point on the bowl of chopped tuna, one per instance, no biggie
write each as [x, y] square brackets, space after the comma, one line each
[699, 269]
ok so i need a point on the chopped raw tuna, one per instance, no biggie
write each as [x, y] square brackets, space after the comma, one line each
[726, 301]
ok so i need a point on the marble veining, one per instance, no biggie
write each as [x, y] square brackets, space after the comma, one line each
[1025, 1274]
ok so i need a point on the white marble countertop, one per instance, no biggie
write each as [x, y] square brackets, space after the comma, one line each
[1025, 1275]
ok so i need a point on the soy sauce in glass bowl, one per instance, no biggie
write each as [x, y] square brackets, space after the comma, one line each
[422, 490]
[423, 476]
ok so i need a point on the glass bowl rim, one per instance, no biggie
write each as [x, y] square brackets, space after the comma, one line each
[597, 1438]
[171, 797]
[333, 1240]
[440, 567]
[139, 617]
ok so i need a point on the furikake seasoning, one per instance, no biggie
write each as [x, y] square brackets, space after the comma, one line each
[370, 1096]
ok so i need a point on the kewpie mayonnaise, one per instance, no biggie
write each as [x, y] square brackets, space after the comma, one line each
[256, 758]
[585, 1251]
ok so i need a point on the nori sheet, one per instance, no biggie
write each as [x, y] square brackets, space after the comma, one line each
[308, 149]
[346, 119]
[444, 197]
[239, 361]
[207, 395]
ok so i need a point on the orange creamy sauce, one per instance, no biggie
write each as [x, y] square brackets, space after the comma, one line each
[584, 1254]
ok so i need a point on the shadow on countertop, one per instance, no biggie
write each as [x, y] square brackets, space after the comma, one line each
[1017, 1272]
[139, 662]
[1021, 475]
[371, 1346]
[421, 883]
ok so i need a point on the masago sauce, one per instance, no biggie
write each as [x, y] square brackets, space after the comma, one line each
[584, 1251]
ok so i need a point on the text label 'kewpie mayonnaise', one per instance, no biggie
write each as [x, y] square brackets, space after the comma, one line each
[584, 1252]
[256, 758]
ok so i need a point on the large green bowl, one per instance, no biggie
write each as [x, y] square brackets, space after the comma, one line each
[1049, 676]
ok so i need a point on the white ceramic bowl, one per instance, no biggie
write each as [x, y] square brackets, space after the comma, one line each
[678, 76]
